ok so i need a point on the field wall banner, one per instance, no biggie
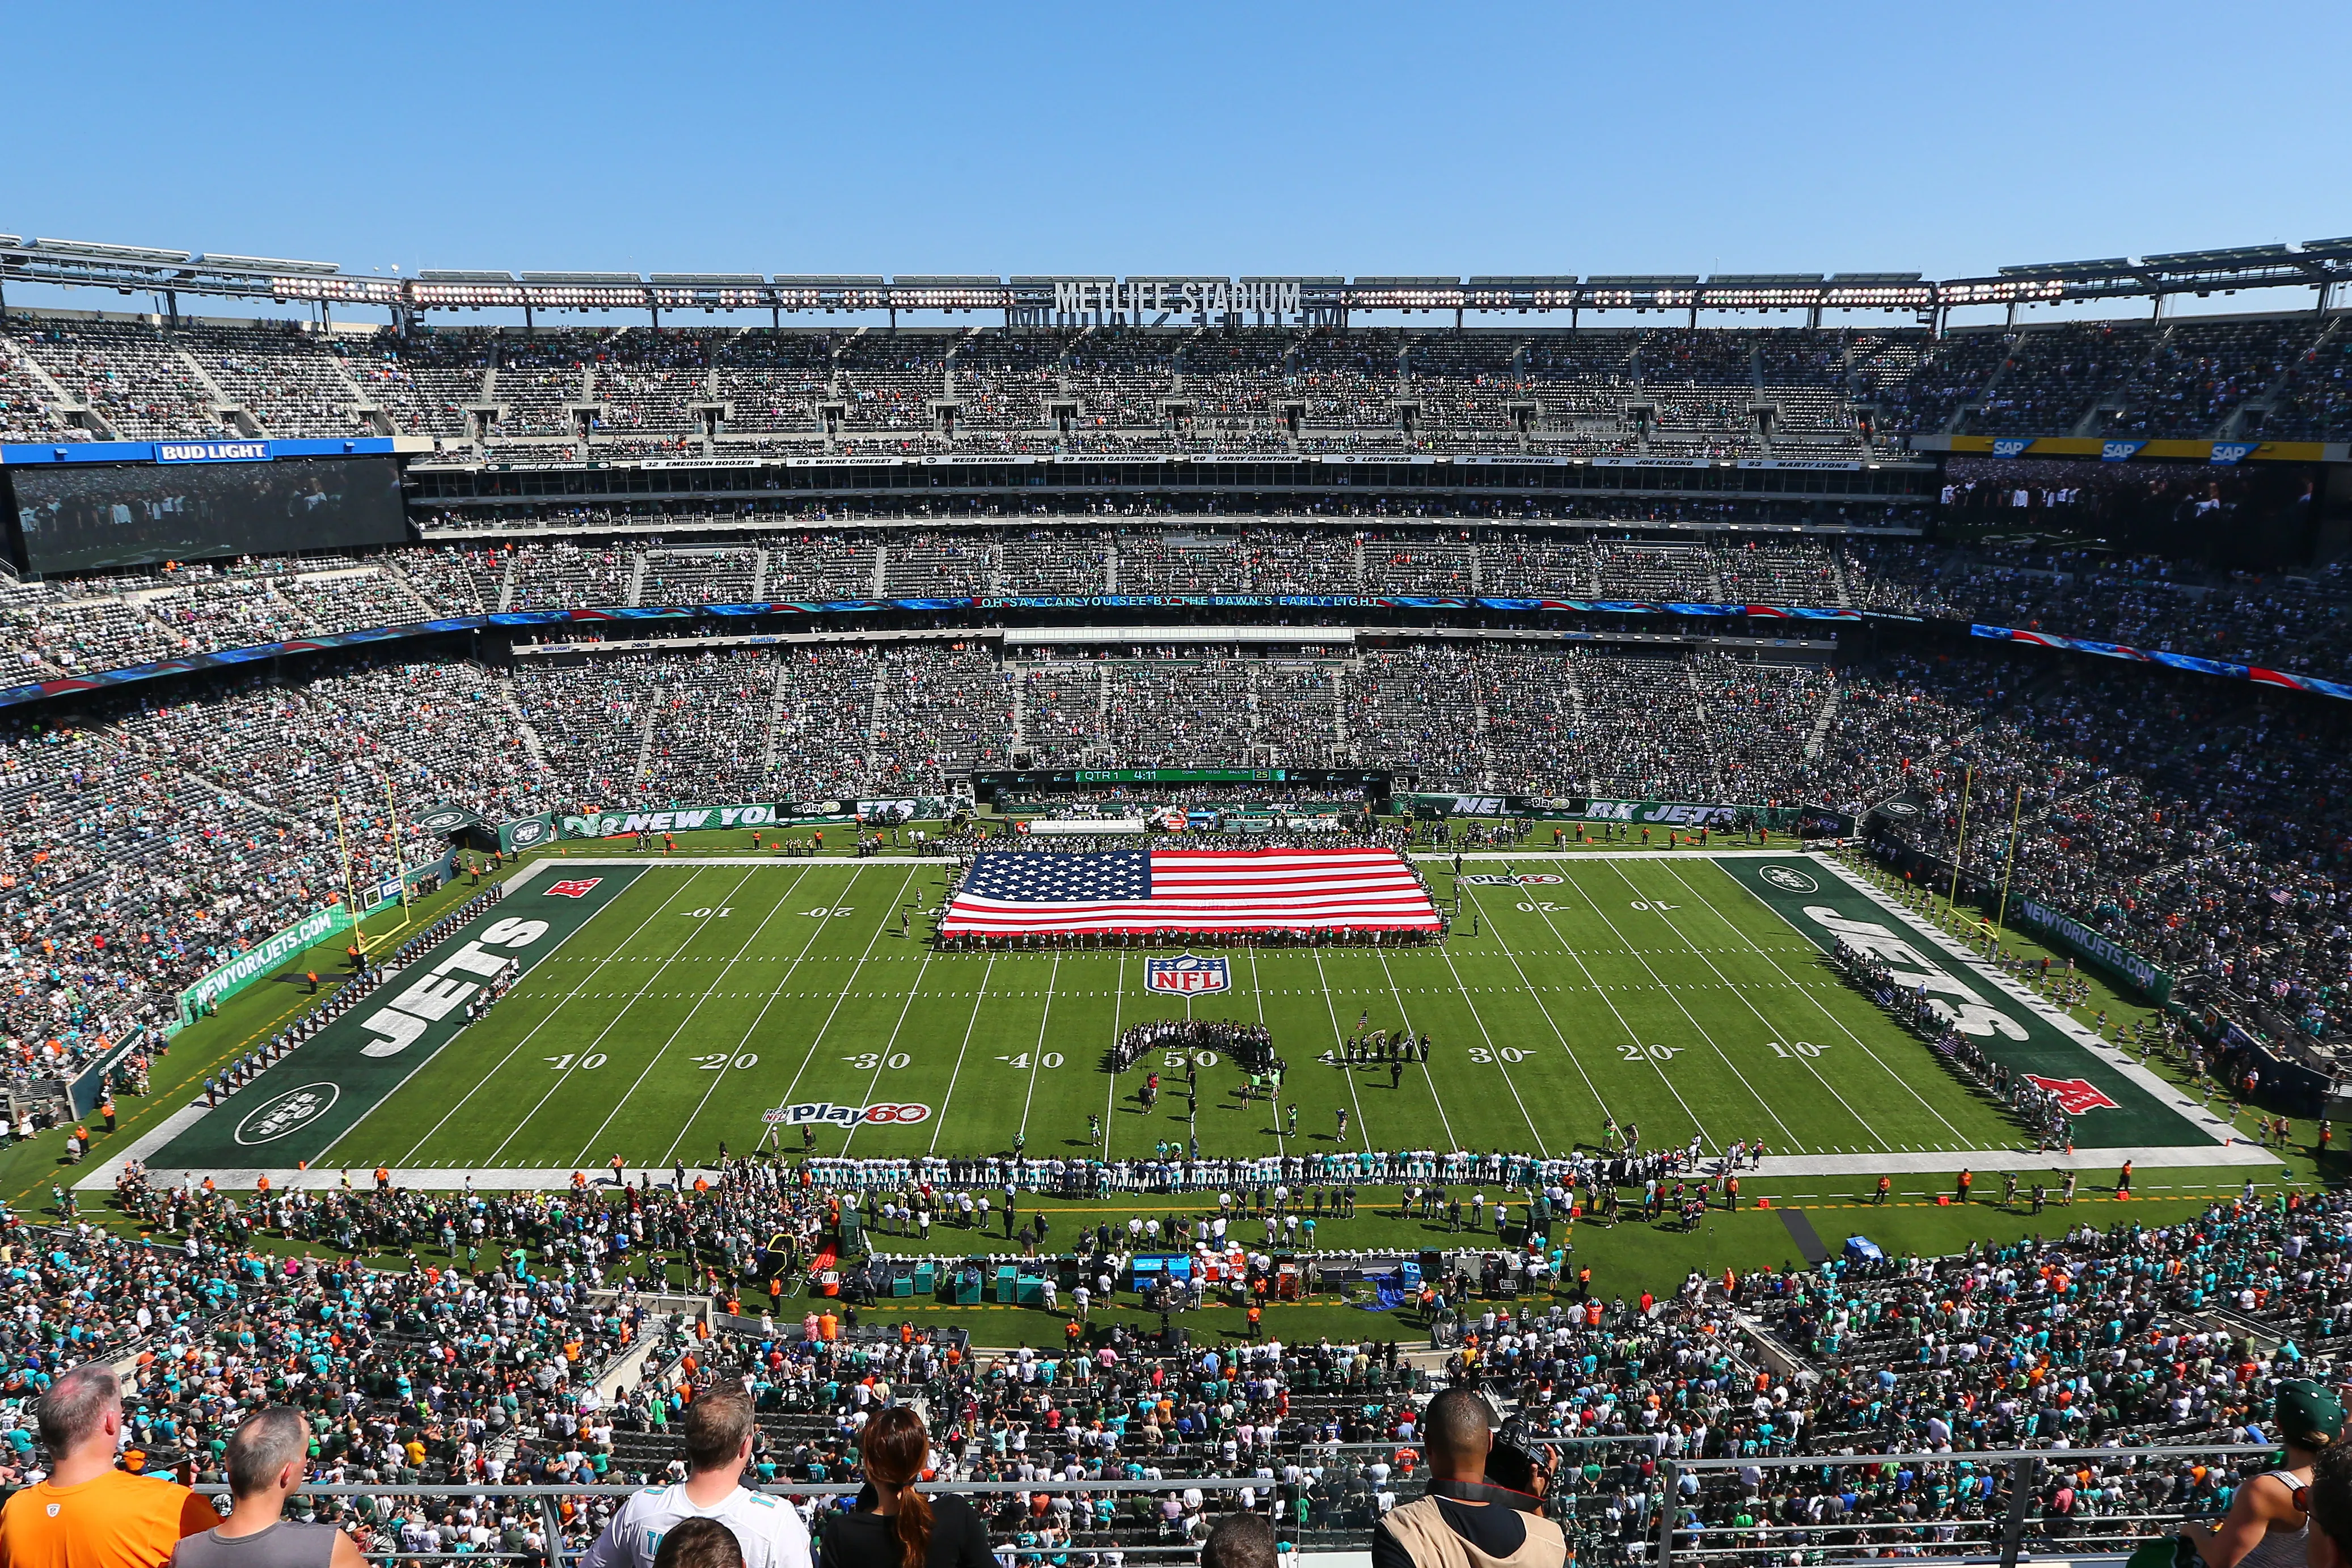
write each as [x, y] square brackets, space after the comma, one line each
[2071, 932]
[225, 981]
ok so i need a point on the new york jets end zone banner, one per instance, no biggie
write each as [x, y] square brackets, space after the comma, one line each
[227, 980]
[300, 1105]
[2085, 942]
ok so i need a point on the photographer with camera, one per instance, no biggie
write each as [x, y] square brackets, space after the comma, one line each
[1485, 1506]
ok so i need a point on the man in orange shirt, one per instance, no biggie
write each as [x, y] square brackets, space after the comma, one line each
[87, 1514]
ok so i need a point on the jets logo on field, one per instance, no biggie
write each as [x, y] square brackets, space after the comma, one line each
[573, 887]
[1789, 879]
[1187, 976]
[524, 834]
[295, 1108]
[2075, 1095]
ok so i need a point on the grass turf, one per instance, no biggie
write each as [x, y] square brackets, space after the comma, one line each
[1657, 990]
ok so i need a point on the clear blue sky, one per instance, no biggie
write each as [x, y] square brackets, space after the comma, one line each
[1349, 140]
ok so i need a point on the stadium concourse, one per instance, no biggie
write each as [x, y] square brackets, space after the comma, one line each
[1767, 578]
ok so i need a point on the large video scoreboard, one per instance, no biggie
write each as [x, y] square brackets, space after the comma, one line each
[196, 500]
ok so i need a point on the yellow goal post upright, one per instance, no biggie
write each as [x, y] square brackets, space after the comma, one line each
[360, 937]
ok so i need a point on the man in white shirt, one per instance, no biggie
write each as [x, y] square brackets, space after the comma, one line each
[719, 1429]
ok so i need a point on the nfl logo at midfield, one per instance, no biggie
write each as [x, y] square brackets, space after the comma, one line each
[1187, 976]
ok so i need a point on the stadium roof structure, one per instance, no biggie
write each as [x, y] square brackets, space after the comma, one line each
[2321, 264]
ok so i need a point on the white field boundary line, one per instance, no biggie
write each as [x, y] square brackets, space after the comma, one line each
[661, 906]
[1770, 1028]
[1812, 998]
[1428, 1077]
[1632, 1035]
[519, 1178]
[2167, 1094]
[728, 1067]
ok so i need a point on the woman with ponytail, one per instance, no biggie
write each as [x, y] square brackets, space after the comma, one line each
[894, 1525]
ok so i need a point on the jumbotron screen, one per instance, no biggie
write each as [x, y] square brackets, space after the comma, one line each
[75, 518]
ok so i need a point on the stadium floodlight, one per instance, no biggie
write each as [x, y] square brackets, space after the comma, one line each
[445, 274]
[215, 262]
[585, 279]
[91, 250]
[708, 280]
[1763, 281]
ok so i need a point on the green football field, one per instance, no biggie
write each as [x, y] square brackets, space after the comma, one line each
[669, 1006]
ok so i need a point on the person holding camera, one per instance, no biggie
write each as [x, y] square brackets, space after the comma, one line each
[1484, 1505]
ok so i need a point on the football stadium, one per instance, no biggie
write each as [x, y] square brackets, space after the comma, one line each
[1165, 873]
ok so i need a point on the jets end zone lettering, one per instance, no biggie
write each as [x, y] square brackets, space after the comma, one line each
[1819, 901]
[823, 1113]
[300, 1106]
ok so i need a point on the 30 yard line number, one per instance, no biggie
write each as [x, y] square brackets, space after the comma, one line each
[874, 1061]
[1480, 1054]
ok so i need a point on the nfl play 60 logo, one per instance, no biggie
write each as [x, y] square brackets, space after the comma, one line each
[1187, 976]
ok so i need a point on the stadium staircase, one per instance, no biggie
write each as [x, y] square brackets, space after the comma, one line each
[1967, 406]
[645, 734]
[74, 411]
[2234, 427]
[1698, 706]
[225, 407]
[1822, 726]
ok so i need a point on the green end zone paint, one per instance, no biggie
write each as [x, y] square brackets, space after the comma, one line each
[298, 1107]
[1824, 906]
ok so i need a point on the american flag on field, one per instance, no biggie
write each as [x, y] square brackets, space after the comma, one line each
[1010, 893]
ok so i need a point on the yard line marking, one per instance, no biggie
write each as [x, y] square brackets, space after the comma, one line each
[1111, 1096]
[843, 995]
[1052, 975]
[595, 973]
[816, 929]
[947, 1098]
[1809, 996]
[1430, 1079]
[1338, 1042]
[1257, 991]
[1716, 1045]
[1861, 1121]
[663, 1050]
[1697, 1125]
[565, 1074]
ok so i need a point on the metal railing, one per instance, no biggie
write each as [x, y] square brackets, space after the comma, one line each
[1997, 1506]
